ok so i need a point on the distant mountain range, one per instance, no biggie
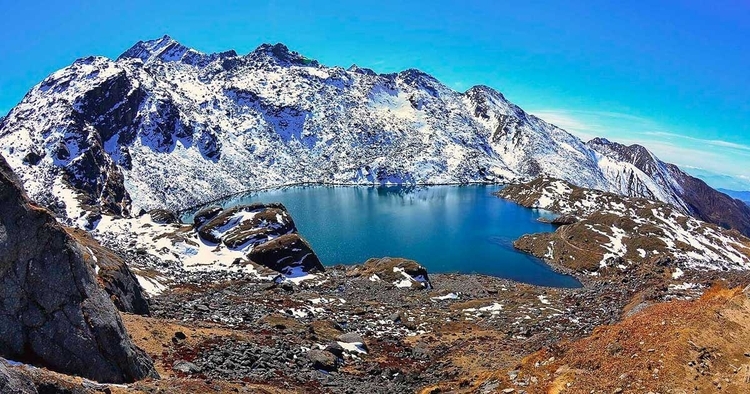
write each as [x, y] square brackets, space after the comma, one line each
[166, 126]
[744, 196]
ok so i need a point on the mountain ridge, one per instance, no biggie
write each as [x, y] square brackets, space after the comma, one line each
[166, 126]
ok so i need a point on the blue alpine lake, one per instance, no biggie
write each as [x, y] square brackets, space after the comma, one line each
[445, 228]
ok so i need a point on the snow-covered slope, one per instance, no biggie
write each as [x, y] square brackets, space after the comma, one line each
[611, 231]
[168, 126]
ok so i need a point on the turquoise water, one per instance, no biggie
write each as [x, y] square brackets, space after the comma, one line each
[445, 228]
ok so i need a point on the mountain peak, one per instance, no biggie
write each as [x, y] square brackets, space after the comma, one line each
[601, 143]
[484, 90]
[282, 55]
[165, 48]
[361, 70]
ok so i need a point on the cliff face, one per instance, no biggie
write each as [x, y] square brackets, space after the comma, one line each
[53, 313]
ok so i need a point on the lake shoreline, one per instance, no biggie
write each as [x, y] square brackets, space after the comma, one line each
[181, 212]
[447, 228]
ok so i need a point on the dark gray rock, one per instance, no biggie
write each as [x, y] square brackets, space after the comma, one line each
[163, 216]
[33, 157]
[285, 254]
[114, 276]
[206, 214]
[323, 360]
[14, 382]
[336, 349]
[185, 367]
[53, 313]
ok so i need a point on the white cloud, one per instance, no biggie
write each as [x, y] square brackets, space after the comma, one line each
[721, 162]
[716, 143]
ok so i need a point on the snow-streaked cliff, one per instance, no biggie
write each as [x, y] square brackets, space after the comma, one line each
[168, 126]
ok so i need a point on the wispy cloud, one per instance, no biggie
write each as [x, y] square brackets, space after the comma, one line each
[716, 143]
[719, 162]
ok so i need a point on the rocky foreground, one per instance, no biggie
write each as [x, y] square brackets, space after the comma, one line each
[221, 319]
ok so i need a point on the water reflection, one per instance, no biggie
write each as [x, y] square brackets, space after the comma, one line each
[446, 228]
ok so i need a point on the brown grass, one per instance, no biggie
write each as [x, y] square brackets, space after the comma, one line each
[680, 346]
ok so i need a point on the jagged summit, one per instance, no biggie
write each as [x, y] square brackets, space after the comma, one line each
[361, 70]
[164, 48]
[282, 55]
[167, 49]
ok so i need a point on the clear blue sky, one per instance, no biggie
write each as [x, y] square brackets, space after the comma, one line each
[672, 75]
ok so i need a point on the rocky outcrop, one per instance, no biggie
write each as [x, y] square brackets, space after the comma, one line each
[163, 216]
[245, 225]
[400, 272]
[12, 381]
[287, 254]
[265, 231]
[614, 234]
[53, 313]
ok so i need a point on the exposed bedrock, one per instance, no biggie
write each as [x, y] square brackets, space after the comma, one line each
[53, 313]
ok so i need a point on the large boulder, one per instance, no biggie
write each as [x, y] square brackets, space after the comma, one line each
[397, 271]
[288, 254]
[53, 313]
[323, 360]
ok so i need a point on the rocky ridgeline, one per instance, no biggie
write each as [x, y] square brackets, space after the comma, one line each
[163, 115]
[604, 233]
[53, 311]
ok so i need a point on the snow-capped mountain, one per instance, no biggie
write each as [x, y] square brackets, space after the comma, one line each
[696, 197]
[167, 126]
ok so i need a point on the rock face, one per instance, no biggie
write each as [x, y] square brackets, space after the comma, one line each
[163, 114]
[53, 313]
[113, 275]
[615, 233]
